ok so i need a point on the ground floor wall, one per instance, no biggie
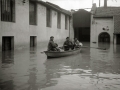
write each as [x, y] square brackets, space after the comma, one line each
[99, 26]
[12, 43]
[36, 36]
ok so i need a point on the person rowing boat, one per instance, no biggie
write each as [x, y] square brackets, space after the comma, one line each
[68, 44]
[52, 46]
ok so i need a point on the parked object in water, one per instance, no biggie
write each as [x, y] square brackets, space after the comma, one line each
[56, 54]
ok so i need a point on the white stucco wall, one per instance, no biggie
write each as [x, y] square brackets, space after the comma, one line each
[42, 32]
[21, 30]
[97, 25]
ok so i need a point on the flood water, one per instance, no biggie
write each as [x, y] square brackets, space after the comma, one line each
[92, 69]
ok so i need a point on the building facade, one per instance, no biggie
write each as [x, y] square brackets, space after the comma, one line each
[29, 23]
[105, 24]
[81, 24]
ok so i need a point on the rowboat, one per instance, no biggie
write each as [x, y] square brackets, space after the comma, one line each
[56, 54]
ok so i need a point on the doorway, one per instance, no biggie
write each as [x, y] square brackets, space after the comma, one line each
[7, 43]
[33, 41]
[104, 37]
[118, 38]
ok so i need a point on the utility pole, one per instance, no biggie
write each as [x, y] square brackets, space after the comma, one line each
[105, 3]
[99, 3]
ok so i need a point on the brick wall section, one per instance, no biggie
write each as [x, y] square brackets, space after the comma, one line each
[117, 24]
[109, 11]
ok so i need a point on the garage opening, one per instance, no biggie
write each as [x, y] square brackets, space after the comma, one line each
[7, 43]
[82, 34]
[33, 41]
[104, 37]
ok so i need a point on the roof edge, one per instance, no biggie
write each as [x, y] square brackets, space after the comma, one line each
[102, 16]
[53, 7]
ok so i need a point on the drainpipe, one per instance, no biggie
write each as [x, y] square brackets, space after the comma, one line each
[99, 3]
[105, 3]
[69, 25]
[71, 21]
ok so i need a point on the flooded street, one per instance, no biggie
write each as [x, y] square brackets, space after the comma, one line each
[92, 69]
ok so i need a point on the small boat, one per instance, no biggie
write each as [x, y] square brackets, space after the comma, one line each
[56, 54]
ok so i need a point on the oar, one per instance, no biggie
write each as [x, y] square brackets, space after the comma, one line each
[94, 47]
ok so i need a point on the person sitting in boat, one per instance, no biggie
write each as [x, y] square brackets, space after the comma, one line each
[77, 44]
[52, 46]
[68, 44]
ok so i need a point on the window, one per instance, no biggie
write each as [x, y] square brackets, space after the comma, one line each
[48, 17]
[32, 13]
[66, 22]
[58, 20]
[8, 10]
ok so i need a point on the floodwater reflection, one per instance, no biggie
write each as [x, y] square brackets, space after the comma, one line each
[32, 79]
[8, 57]
[92, 69]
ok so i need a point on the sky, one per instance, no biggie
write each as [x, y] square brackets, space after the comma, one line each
[81, 4]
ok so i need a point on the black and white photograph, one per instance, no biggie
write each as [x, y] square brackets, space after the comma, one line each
[59, 44]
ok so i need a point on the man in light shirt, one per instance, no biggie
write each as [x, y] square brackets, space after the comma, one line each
[77, 44]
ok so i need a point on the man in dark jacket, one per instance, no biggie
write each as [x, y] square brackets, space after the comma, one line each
[68, 44]
[51, 45]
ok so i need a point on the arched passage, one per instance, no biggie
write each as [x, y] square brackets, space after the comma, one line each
[104, 37]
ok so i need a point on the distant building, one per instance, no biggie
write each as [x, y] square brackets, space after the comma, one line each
[29, 23]
[105, 24]
[81, 24]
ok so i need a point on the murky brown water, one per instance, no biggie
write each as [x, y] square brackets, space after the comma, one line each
[92, 69]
